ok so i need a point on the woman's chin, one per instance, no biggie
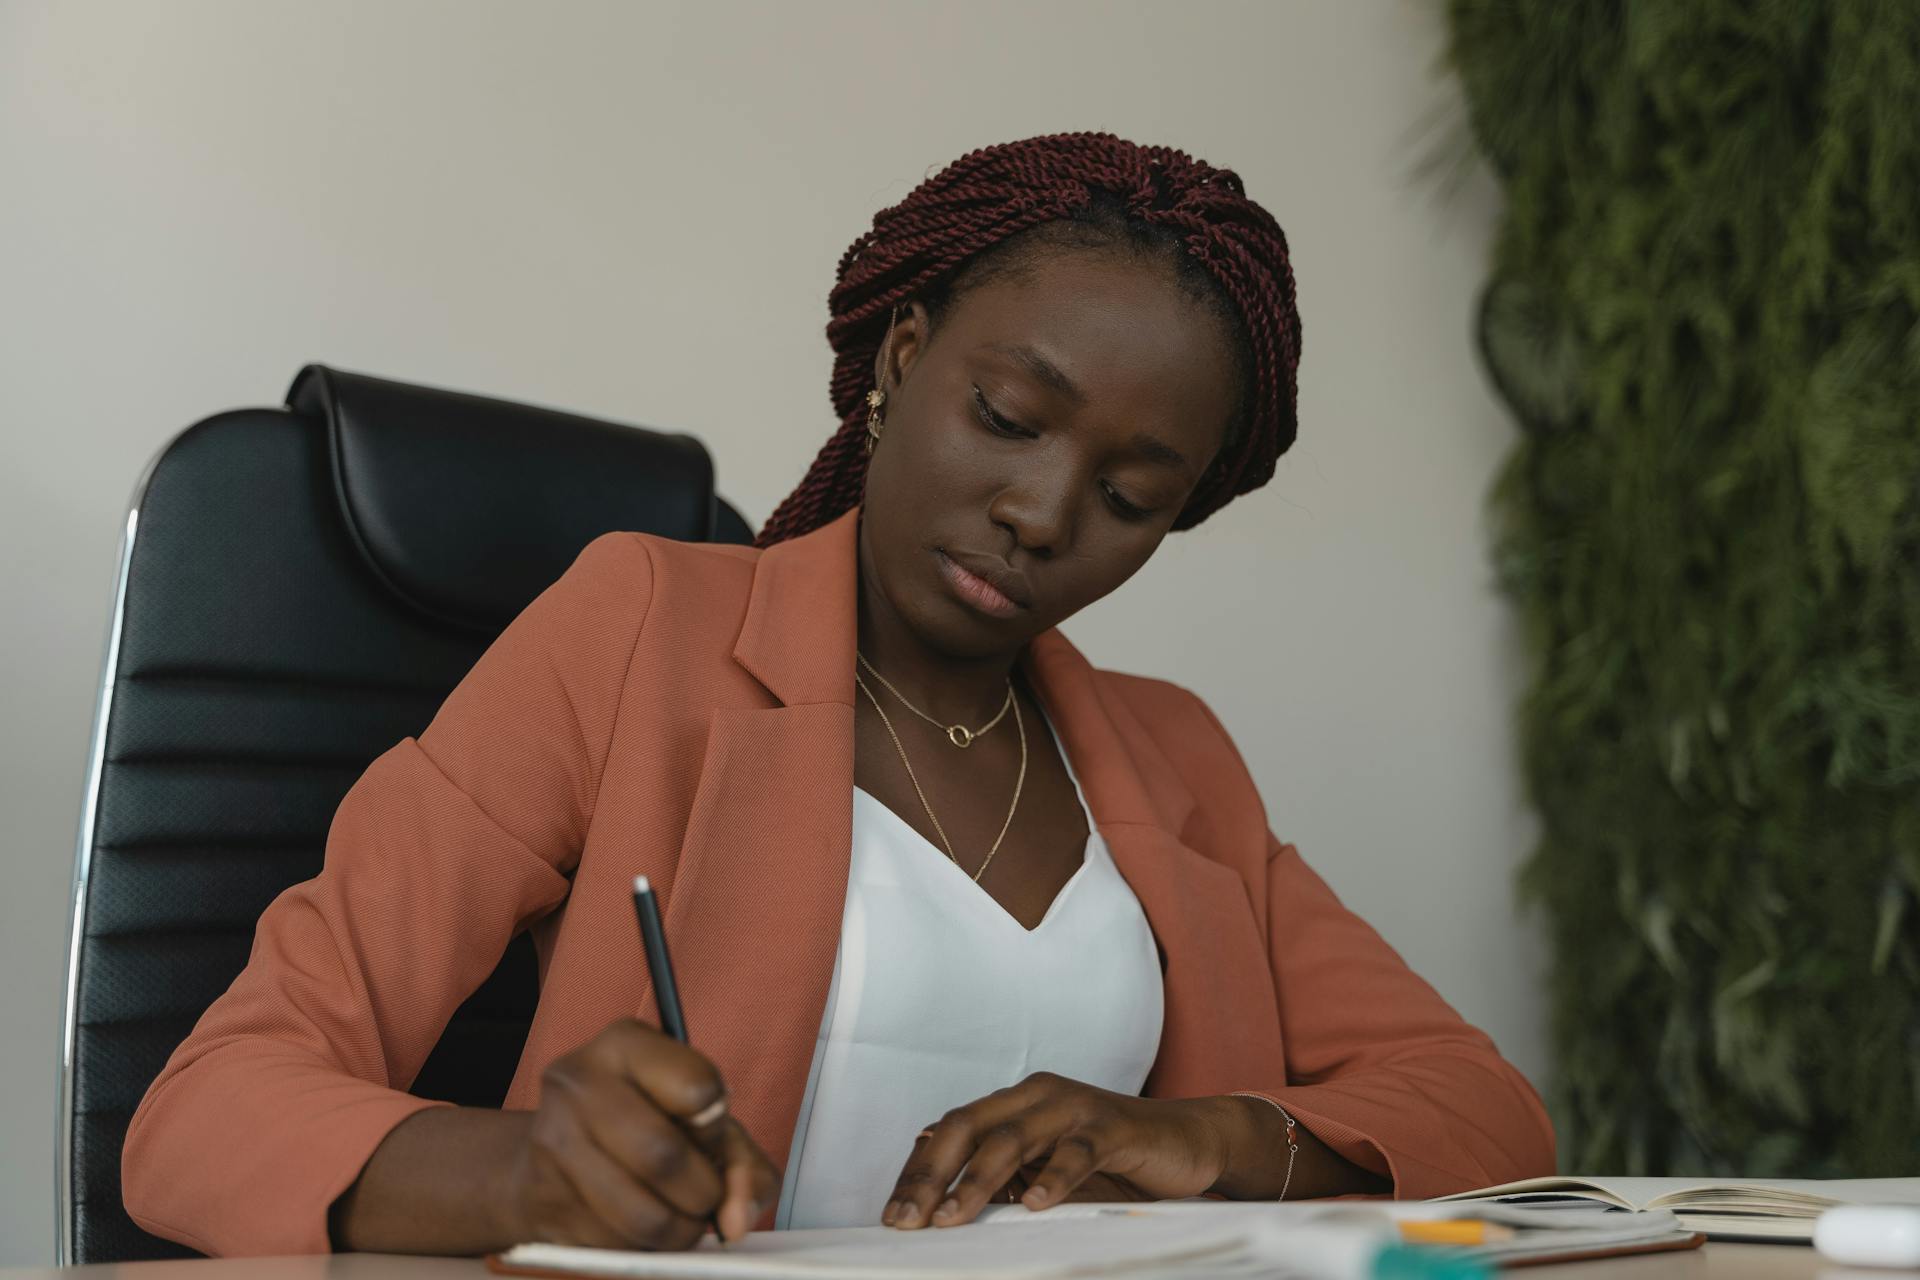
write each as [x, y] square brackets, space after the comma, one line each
[954, 630]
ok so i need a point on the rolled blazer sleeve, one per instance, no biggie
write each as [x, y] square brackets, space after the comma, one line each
[1384, 1071]
[1378, 1066]
[445, 847]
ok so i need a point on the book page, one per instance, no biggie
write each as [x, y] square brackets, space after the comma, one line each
[1798, 1197]
[1591, 1188]
[1786, 1196]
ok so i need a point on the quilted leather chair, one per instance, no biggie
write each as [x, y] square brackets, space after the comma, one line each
[299, 588]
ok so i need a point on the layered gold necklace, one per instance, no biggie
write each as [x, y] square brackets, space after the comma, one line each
[960, 736]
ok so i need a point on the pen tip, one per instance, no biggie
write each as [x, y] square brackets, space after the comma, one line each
[640, 885]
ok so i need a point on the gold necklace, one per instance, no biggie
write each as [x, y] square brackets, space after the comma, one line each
[958, 734]
[1018, 781]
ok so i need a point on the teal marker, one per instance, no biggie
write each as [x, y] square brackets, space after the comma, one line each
[1355, 1250]
[1412, 1262]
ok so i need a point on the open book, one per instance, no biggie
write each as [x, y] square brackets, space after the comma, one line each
[1782, 1209]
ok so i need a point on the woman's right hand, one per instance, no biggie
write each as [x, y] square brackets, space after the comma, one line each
[632, 1147]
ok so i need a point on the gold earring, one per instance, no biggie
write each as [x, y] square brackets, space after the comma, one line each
[877, 397]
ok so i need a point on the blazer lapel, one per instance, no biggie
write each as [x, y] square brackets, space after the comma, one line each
[1221, 1030]
[753, 914]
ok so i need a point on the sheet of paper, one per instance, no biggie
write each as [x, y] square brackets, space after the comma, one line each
[1194, 1240]
[1120, 1243]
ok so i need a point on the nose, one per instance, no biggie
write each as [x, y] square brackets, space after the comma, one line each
[1036, 509]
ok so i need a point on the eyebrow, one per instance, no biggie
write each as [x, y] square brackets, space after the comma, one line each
[1150, 447]
[1154, 449]
[1042, 368]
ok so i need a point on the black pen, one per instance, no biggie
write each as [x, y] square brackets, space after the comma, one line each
[654, 938]
[666, 993]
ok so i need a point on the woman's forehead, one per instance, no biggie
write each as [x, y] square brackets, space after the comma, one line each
[1101, 329]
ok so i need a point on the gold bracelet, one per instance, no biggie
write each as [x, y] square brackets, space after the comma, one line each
[1293, 1148]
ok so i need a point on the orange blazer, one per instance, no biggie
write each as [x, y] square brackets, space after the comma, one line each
[685, 712]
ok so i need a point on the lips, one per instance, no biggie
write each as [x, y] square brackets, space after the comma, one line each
[986, 584]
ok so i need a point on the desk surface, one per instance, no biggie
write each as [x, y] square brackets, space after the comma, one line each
[1715, 1262]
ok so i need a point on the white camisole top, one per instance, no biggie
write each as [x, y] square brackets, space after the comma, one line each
[940, 997]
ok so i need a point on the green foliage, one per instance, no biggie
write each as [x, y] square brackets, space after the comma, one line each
[1705, 312]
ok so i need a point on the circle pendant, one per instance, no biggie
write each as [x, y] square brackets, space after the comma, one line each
[959, 735]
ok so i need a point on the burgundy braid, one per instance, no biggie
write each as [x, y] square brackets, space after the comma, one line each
[992, 194]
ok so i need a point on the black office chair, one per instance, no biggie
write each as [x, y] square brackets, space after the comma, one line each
[299, 589]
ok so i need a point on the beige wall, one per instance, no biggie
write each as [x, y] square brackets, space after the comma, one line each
[635, 210]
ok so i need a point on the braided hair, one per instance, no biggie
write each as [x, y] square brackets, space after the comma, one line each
[990, 212]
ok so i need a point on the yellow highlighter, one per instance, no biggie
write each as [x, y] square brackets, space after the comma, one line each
[1468, 1231]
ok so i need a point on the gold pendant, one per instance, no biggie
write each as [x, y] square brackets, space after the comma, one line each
[959, 735]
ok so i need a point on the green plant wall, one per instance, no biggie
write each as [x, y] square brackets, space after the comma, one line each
[1705, 315]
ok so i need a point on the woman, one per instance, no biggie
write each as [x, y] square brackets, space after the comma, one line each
[956, 916]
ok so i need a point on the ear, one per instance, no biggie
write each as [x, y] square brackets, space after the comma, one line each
[911, 331]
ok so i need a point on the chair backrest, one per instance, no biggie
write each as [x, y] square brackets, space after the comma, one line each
[299, 589]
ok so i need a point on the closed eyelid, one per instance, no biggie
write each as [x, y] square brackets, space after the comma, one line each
[1143, 506]
[994, 411]
[1001, 421]
[1144, 445]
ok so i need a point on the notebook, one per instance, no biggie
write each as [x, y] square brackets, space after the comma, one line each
[1191, 1240]
[1779, 1210]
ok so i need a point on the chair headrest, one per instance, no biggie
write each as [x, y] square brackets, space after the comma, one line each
[469, 507]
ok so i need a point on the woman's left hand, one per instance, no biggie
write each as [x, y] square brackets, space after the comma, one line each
[1164, 1149]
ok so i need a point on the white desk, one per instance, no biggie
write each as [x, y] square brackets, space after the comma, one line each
[1715, 1262]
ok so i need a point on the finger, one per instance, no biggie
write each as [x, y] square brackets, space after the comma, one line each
[647, 1143]
[944, 1148]
[676, 1078]
[557, 1215]
[631, 1211]
[938, 1158]
[1077, 1155]
[939, 1154]
[891, 1210]
[997, 1156]
[679, 1080]
[752, 1183]
[578, 1225]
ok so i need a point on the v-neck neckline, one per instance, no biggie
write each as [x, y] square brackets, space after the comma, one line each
[940, 854]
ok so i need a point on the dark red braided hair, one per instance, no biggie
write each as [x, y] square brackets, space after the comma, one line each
[977, 208]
